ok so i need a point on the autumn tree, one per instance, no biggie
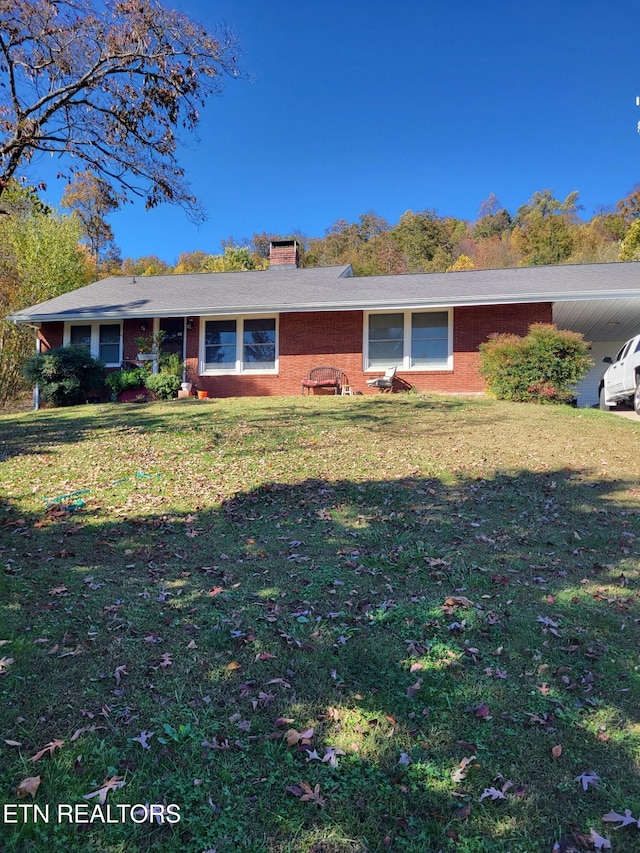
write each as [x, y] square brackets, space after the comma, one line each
[190, 262]
[630, 246]
[629, 206]
[92, 199]
[106, 86]
[493, 219]
[234, 259]
[40, 258]
[425, 240]
[544, 228]
[145, 265]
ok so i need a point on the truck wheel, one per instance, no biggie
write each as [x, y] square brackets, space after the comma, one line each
[636, 399]
[603, 403]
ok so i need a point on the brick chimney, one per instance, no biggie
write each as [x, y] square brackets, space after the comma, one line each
[284, 254]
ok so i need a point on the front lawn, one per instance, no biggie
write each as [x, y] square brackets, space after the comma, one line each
[330, 624]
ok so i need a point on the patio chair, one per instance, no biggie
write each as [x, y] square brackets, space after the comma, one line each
[384, 383]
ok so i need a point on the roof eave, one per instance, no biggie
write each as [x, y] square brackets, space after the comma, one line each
[356, 305]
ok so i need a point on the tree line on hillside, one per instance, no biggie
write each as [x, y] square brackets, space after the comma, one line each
[544, 230]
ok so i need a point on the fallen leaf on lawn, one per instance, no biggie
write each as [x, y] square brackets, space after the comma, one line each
[331, 755]
[457, 601]
[50, 748]
[482, 711]
[598, 841]
[462, 813]
[492, 792]
[283, 721]
[84, 730]
[311, 795]
[233, 665]
[280, 681]
[5, 663]
[58, 590]
[143, 739]
[625, 820]
[13, 743]
[192, 645]
[165, 660]
[463, 769]
[29, 786]
[119, 671]
[294, 737]
[588, 778]
[556, 752]
[414, 689]
[111, 784]
[216, 744]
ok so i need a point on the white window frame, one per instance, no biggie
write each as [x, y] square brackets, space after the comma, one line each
[94, 347]
[405, 363]
[239, 367]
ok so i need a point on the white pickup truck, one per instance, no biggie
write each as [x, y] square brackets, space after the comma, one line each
[621, 380]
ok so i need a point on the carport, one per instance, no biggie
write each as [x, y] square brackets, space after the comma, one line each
[606, 324]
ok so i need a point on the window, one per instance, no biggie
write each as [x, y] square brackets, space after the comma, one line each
[109, 343]
[220, 345]
[430, 340]
[386, 340]
[418, 340]
[240, 345]
[102, 340]
[259, 343]
[80, 336]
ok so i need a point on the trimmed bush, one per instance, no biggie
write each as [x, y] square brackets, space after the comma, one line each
[125, 380]
[544, 366]
[164, 385]
[66, 376]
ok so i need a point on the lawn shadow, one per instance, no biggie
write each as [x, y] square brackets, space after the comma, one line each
[410, 623]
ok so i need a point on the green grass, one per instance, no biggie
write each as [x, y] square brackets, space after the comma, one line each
[226, 574]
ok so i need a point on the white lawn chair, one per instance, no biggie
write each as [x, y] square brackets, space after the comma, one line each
[384, 383]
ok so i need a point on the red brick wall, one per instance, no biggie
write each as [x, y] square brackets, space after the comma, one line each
[284, 256]
[472, 326]
[50, 335]
[335, 338]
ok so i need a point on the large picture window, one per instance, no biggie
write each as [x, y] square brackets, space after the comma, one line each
[418, 340]
[240, 345]
[101, 340]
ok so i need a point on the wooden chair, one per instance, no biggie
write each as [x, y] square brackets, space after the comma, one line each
[384, 383]
[324, 377]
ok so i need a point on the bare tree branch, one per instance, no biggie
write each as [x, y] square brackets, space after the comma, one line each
[111, 84]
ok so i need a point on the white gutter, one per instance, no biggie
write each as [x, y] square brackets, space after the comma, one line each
[359, 305]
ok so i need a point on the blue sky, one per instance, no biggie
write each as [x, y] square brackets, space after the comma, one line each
[417, 104]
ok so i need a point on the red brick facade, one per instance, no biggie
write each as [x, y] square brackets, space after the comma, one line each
[309, 339]
[335, 338]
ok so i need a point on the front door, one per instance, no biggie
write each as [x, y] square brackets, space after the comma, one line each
[173, 337]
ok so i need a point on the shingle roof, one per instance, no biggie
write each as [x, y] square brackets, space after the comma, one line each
[331, 288]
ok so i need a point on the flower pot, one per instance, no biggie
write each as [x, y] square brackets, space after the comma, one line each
[202, 395]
